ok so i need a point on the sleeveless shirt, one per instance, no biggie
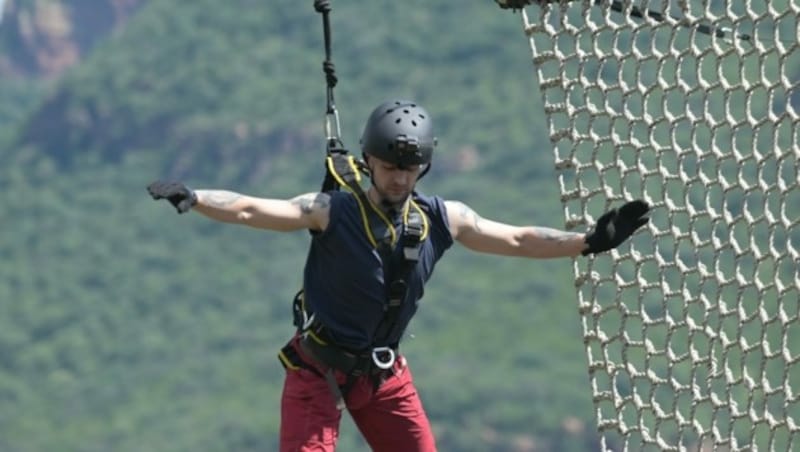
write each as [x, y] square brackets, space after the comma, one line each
[344, 280]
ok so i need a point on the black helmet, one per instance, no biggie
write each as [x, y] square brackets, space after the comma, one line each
[399, 132]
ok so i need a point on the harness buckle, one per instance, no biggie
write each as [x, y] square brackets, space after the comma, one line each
[412, 237]
[308, 320]
[383, 357]
[411, 253]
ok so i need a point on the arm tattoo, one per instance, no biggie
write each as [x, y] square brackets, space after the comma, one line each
[470, 216]
[220, 198]
[311, 201]
[554, 235]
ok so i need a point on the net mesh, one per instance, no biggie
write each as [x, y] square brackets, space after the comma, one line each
[691, 328]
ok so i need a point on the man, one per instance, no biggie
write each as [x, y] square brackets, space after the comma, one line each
[369, 258]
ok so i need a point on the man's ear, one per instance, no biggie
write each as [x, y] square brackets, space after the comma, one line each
[365, 158]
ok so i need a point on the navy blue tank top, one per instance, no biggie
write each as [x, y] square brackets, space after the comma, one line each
[344, 281]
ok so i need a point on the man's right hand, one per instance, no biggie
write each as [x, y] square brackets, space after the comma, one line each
[179, 195]
[615, 226]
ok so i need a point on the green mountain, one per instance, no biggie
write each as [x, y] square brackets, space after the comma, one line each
[125, 327]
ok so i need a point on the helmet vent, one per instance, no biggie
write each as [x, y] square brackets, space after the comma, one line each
[397, 121]
[414, 123]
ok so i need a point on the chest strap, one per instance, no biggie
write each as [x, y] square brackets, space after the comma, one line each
[412, 237]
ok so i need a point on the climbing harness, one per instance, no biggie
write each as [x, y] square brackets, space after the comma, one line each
[314, 340]
[343, 171]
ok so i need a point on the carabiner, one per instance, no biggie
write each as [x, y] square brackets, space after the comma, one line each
[332, 128]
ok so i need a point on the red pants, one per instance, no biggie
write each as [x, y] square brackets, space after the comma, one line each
[391, 418]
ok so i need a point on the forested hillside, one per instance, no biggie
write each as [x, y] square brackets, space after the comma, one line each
[126, 327]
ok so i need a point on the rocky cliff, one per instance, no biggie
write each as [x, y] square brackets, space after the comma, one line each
[42, 38]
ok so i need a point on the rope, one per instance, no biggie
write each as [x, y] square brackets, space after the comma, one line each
[332, 127]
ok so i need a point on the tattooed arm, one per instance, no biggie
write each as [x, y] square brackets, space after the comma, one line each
[308, 211]
[487, 236]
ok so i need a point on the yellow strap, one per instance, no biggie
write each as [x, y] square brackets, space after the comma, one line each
[361, 207]
[364, 218]
[316, 338]
[381, 215]
[424, 219]
[285, 360]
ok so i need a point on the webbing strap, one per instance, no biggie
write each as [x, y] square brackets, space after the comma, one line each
[414, 231]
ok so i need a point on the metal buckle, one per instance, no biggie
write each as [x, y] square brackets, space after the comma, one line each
[307, 320]
[388, 352]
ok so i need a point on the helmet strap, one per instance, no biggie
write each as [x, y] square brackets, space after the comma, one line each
[424, 171]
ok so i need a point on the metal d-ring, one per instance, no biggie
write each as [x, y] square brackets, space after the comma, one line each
[376, 357]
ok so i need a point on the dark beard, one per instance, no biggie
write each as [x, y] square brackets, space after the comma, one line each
[392, 209]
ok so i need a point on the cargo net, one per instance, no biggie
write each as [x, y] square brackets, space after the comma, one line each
[691, 328]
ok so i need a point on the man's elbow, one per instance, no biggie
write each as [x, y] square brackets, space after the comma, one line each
[243, 216]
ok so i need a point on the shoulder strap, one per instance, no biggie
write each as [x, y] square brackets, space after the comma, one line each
[415, 230]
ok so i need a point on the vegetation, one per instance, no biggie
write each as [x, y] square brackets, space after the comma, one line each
[126, 327]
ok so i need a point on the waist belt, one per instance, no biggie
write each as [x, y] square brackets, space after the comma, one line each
[319, 342]
[350, 363]
[376, 364]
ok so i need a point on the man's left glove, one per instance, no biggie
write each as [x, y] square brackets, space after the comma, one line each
[615, 226]
[178, 194]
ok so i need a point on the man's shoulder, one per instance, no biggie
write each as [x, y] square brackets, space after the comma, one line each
[340, 202]
[428, 200]
[340, 196]
[436, 211]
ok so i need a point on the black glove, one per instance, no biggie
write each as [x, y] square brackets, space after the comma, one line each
[615, 226]
[179, 195]
[513, 4]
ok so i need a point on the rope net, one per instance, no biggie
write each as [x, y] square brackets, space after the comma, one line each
[691, 328]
